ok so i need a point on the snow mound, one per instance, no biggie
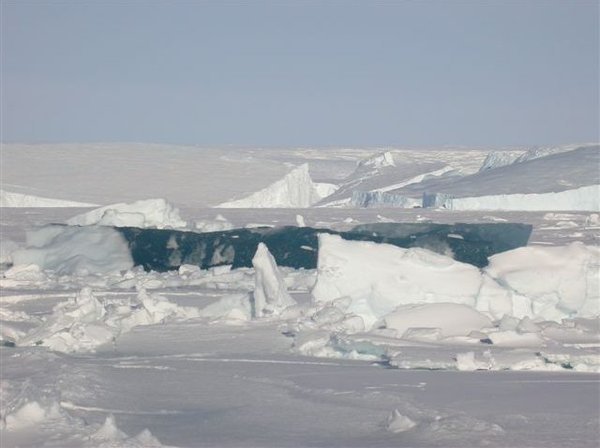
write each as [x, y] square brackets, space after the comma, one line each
[270, 293]
[109, 435]
[30, 414]
[398, 422]
[379, 277]
[550, 282]
[578, 199]
[450, 318]
[75, 250]
[146, 213]
[295, 190]
[9, 199]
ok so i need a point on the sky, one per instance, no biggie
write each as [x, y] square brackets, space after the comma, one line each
[301, 73]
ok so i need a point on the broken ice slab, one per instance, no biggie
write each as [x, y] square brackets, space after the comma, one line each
[297, 247]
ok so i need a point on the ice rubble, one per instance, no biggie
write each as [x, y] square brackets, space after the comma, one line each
[37, 417]
[10, 199]
[85, 322]
[69, 250]
[156, 213]
[531, 308]
[295, 190]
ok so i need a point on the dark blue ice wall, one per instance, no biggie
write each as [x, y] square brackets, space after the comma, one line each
[297, 247]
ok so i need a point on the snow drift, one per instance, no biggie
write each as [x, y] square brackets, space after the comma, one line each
[85, 322]
[146, 213]
[295, 190]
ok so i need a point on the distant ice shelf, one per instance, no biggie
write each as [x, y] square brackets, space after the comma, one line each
[10, 199]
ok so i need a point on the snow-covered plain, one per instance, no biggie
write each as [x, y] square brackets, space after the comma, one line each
[379, 346]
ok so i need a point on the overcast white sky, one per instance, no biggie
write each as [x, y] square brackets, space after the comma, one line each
[301, 72]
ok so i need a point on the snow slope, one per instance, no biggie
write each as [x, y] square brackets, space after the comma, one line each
[552, 173]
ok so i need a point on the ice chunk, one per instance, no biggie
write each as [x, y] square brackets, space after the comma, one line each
[218, 224]
[295, 190]
[380, 277]
[452, 319]
[236, 307]
[75, 250]
[270, 293]
[398, 422]
[569, 286]
[382, 199]
[147, 213]
[469, 243]
[467, 362]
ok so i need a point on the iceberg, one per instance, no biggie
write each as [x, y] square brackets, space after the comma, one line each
[101, 249]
